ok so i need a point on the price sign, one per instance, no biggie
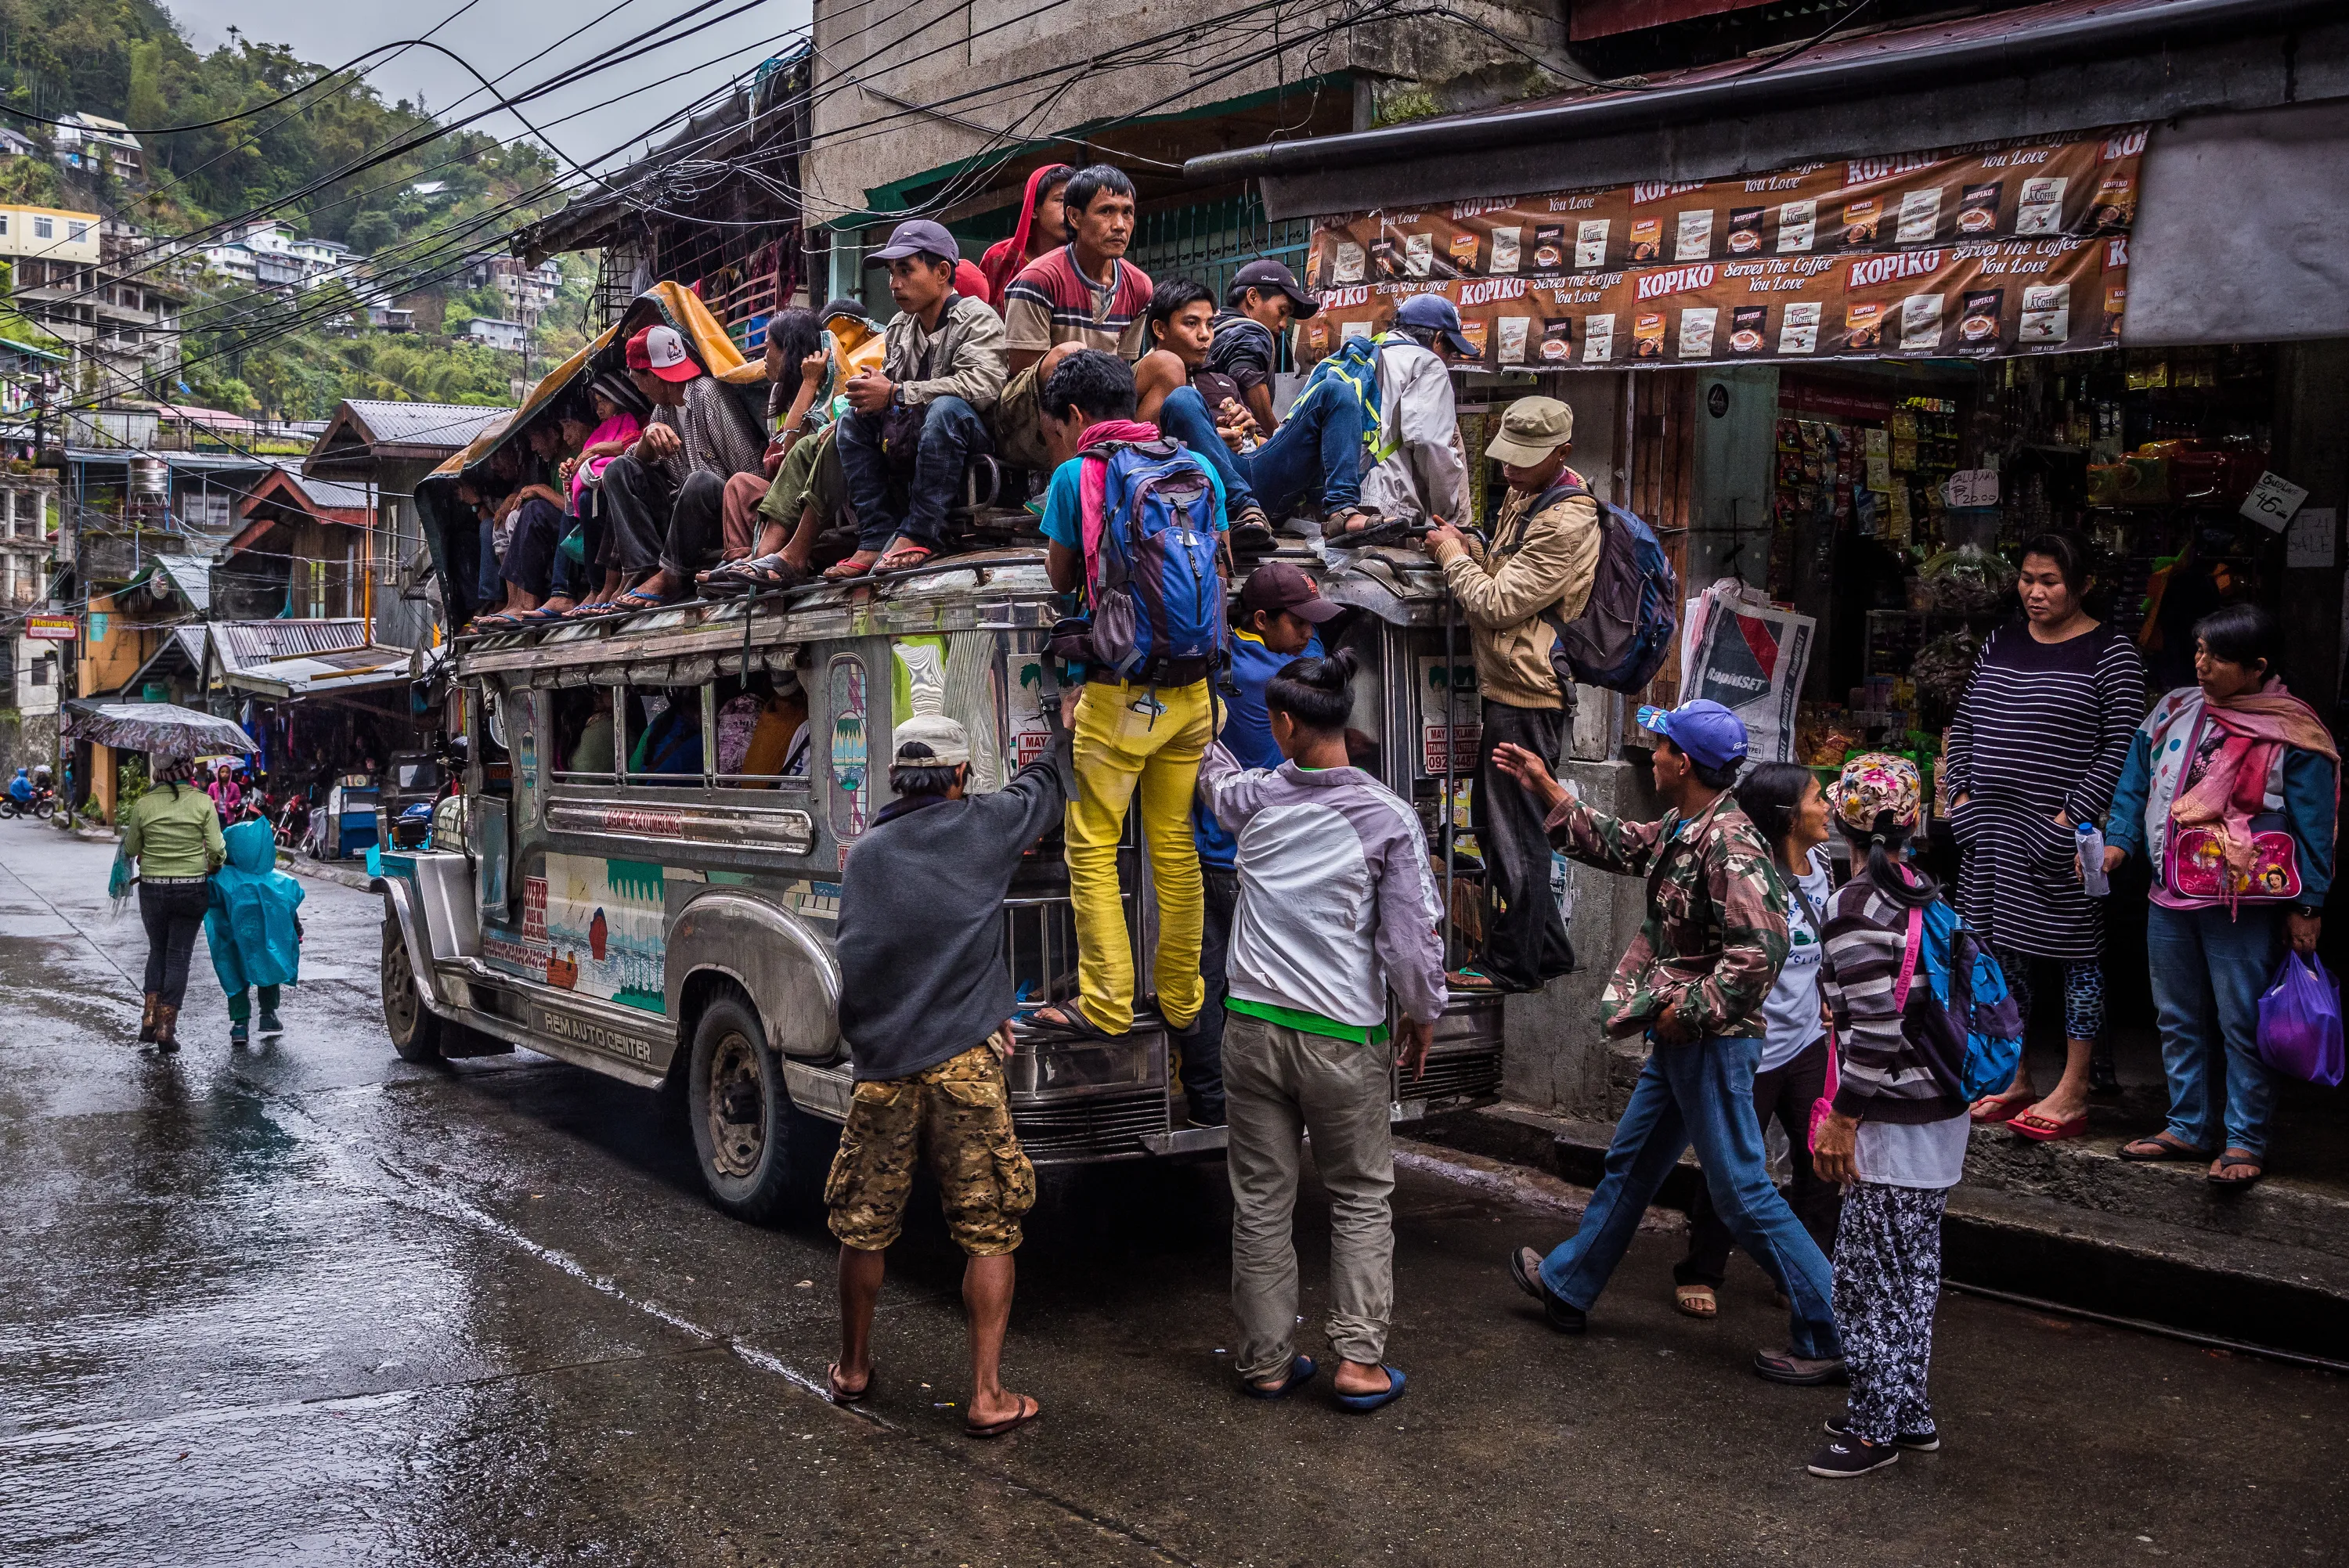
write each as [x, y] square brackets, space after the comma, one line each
[1971, 486]
[2310, 539]
[2273, 502]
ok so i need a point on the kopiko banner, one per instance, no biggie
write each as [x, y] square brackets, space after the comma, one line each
[1993, 249]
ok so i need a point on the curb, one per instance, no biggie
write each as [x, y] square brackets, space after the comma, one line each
[353, 877]
[2143, 1259]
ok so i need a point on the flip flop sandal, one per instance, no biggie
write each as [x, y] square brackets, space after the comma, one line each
[2171, 1149]
[2237, 1182]
[849, 571]
[629, 602]
[2000, 1110]
[767, 575]
[1364, 1404]
[2040, 1130]
[905, 558]
[1685, 1297]
[1300, 1373]
[1028, 1410]
[540, 617]
[1074, 1027]
[839, 1396]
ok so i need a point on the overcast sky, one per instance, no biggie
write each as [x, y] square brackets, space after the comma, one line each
[496, 35]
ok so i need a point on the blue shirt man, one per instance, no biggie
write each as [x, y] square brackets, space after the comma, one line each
[1278, 609]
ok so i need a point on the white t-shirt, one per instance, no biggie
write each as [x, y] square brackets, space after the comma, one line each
[1913, 1154]
[1790, 1014]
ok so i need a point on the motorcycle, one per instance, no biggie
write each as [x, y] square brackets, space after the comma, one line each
[42, 804]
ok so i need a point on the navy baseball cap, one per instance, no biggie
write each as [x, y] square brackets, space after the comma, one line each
[1707, 731]
[915, 235]
[1272, 278]
[1433, 313]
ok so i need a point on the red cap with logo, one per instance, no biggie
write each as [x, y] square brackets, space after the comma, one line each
[661, 350]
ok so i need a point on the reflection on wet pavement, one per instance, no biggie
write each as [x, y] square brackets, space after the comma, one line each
[305, 1303]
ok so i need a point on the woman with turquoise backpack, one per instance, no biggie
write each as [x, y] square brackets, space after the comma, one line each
[2231, 790]
[1894, 1135]
[252, 928]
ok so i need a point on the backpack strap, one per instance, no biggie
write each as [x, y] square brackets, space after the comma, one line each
[1909, 957]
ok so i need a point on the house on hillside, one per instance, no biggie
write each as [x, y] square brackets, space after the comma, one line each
[304, 551]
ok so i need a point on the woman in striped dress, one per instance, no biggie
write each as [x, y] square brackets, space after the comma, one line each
[2040, 738]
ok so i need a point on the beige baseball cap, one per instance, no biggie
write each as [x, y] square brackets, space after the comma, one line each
[946, 743]
[1531, 429]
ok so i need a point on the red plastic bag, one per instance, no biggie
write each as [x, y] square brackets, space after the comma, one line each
[2299, 1022]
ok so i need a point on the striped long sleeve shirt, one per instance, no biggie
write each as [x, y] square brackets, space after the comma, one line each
[1884, 1058]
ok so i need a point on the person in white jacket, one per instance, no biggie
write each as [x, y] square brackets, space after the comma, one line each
[1418, 470]
[1337, 911]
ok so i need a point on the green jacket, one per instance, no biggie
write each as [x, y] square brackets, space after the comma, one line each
[1716, 935]
[173, 832]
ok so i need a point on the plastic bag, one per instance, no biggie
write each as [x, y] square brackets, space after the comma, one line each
[2299, 1022]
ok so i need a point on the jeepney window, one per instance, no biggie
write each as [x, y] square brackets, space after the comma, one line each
[582, 725]
[663, 734]
[1366, 726]
[764, 736]
[851, 785]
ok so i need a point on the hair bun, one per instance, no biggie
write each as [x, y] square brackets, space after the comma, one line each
[1349, 662]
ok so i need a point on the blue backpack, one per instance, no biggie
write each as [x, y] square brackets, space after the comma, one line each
[1153, 577]
[1978, 1034]
[1627, 627]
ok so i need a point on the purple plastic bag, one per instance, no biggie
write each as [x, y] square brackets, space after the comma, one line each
[2299, 1022]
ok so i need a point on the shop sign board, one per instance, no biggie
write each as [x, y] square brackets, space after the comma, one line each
[2273, 502]
[51, 628]
[2311, 541]
[1992, 249]
[1450, 716]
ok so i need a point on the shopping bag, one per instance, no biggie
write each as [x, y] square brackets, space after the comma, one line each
[1823, 1106]
[2299, 1022]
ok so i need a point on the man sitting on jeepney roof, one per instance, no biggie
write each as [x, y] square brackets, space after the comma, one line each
[665, 495]
[809, 360]
[533, 515]
[916, 424]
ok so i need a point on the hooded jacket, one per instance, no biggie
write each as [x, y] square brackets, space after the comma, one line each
[1417, 468]
[250, 927]
[1004, 258]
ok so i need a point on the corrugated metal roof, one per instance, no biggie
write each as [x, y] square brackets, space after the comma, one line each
[327, 492]
[449, 424]
[193, 576]
[243, 644]
[347, 669]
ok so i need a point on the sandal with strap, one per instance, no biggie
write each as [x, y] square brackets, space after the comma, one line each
[1696, 1301]
[2235, 1159]
[848, 571]
[2164, 1146]
[904, 557]
[764, 575]
[1071, 1024]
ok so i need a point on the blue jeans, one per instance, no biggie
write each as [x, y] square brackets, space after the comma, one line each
[1700, 1093]
[1316, 454]
[2209, 970]
[952, 434]
[1183, 416]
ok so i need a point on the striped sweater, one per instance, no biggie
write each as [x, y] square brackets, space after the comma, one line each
[1884, 1059]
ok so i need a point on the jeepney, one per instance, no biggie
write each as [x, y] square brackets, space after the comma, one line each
[674, 928]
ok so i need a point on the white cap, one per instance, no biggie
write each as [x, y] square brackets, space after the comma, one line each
[945, 743]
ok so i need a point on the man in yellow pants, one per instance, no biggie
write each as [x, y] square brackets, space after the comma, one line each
[1132, 739]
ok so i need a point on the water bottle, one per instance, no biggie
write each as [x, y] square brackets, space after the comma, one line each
[2092, 859]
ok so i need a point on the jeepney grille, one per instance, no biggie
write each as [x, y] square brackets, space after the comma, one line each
[1105, 1127]
[1453, 1074]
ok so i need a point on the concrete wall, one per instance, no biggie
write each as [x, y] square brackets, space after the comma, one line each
[26, 740]
[1016, 71]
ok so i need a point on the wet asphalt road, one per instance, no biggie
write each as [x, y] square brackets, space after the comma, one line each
[303, 1302]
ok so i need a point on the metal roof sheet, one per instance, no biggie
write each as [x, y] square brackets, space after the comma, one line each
[243, 644]
[449, 424]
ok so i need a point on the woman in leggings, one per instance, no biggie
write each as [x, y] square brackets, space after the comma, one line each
[173, 835]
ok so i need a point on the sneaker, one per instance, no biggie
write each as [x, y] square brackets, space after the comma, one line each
[270, 1025]
[1849, 1456]
[1915, 1442]
[237, 1033]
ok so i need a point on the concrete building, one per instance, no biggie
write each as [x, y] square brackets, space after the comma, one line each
[510, 337]
[945, 108]
[31, 663]
[91, 282]
[93, 145]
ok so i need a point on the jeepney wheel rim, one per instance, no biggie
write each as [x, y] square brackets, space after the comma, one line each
[400, 1006]
[737, 1146]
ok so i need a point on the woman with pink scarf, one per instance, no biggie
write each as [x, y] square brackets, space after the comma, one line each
[2231, 789]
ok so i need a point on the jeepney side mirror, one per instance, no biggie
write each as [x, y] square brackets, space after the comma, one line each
[449, 824]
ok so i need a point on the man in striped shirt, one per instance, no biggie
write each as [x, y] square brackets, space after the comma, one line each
[1085, 294]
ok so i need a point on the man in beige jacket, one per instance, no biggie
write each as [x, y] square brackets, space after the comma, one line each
[1516, 596]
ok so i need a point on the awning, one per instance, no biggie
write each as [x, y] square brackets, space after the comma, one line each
[372, 666]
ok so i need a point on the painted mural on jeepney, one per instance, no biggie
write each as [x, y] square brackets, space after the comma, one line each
[850, 785]
[592, 925]
[955, 674]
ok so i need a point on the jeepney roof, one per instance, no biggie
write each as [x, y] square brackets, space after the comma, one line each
[988, 590]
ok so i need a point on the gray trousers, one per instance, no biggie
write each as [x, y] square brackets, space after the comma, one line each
[1279, 1085]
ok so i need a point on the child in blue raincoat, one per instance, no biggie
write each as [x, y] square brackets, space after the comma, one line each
[254, 935]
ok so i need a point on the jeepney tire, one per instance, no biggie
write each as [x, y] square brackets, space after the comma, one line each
[763, 1159]
[416, 1031]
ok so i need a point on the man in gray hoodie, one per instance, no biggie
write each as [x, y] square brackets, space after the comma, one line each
[924, 999]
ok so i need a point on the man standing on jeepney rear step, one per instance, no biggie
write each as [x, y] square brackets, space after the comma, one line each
[923, 991]
[1516, 596]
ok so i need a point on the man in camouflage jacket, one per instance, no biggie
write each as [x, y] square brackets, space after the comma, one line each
[1693, 981]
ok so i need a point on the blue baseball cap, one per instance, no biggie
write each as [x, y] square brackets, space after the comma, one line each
[1433, 313]
[1708, 732]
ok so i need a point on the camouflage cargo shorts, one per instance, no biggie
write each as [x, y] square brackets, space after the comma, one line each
[958, 1116]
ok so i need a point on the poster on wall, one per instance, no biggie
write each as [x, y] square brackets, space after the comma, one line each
[1992, 249]
[1450, 716]
[1749, 654]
